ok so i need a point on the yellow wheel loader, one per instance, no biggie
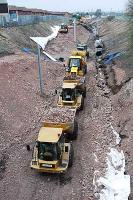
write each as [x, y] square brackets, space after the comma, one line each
[73, 93]
[53, 151]
[76, 63]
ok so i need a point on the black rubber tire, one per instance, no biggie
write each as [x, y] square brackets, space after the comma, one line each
[75, 131]
[82, 104]
[71, 156]
[85, 69]
[87, 55]
[84, 93]
[74, 134]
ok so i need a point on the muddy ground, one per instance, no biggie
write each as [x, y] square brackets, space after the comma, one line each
[21, 113]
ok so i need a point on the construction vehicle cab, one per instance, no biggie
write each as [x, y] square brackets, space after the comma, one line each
[76, 64]
[69, 93]
[72, 94]
[83, 48]
[51, 153]
[63, 28]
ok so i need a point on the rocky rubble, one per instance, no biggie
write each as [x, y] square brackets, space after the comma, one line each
[112, 138]
[59, 115]
[22, 111]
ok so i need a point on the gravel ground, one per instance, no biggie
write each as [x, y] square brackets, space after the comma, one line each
[22, 109]
[122, 111]
[21, 113]
[59, 115]
[59, 48]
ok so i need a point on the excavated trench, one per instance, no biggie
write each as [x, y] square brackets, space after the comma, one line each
[107, 70]
[3, 161]
[109, 79]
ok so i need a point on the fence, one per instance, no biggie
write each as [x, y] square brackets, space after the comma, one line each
[14, 20]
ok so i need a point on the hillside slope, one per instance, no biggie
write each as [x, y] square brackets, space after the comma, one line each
[117, 35]
[14, 38]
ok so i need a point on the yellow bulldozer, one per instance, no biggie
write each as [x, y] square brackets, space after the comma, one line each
[53, 151]
[72, 93]
[63, 28]
[76, 64]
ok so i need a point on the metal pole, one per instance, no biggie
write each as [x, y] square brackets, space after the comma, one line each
[40, 70]
[75, 30]
[3, 21]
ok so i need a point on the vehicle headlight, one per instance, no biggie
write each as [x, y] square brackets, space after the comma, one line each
[46, 165]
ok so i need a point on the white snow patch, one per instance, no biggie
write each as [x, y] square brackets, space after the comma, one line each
[49, 56]
[95, 156]
[116, 184]
[42, 41]
[96, 174]
[118, 139]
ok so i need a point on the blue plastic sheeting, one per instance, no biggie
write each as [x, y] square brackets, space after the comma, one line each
[111, 56]
[26, 50]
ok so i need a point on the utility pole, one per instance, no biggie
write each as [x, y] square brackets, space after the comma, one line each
[40, 70]
[75, 40]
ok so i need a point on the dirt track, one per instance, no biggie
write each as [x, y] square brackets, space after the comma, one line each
[21, 114]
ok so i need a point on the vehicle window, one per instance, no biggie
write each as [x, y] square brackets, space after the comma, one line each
[75, 62]
[68, 95]
[47, 151]
[80, 48]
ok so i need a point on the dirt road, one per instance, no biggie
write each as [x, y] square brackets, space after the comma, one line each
[20, 119]
[21, 113]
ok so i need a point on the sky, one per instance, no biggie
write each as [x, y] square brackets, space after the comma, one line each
[72, 5]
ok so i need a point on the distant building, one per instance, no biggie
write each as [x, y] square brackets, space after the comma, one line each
[4, 16]
[65, 14]
[27, 11]
[22, 16]
[3, 7]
